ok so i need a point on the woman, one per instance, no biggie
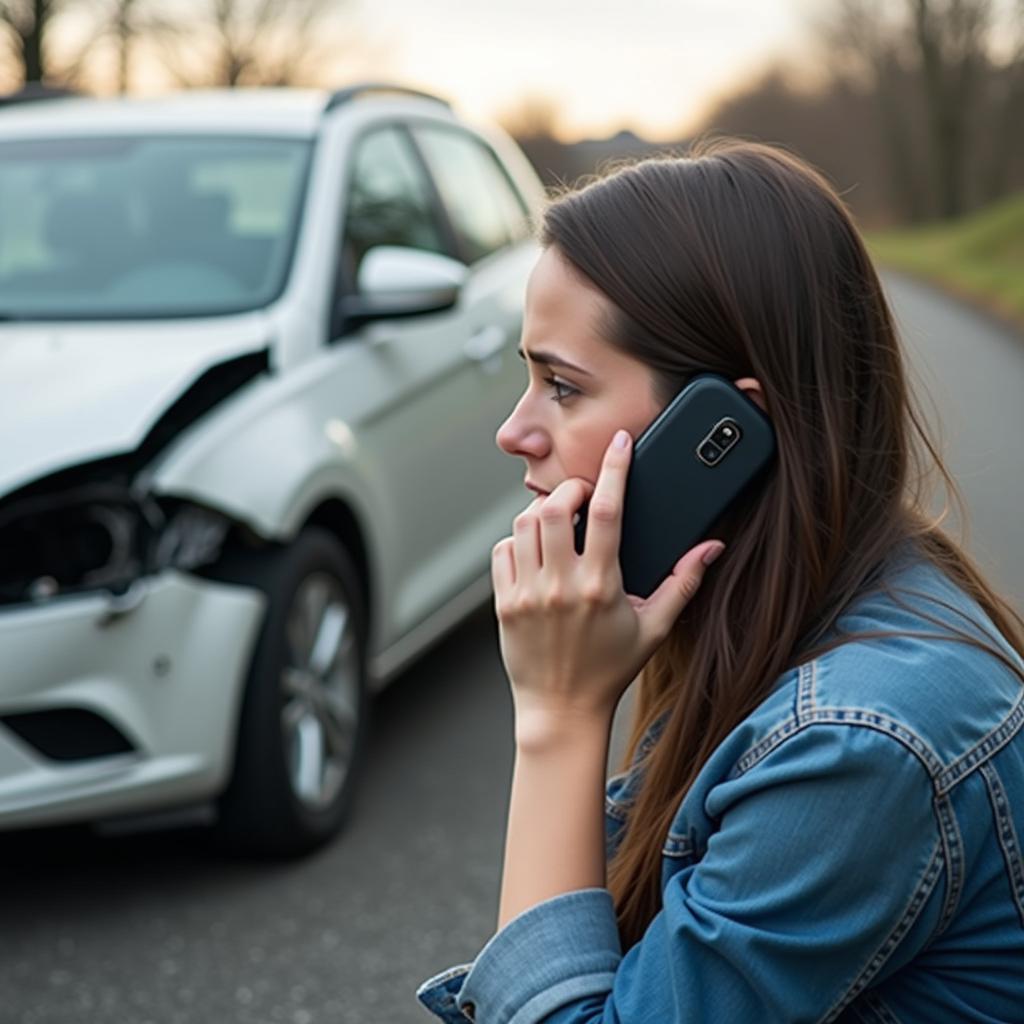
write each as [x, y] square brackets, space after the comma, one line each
[821, 807]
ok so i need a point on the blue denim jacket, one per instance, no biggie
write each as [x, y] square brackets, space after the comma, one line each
[850, 852]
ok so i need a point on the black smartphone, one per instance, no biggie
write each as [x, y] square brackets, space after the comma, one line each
[701, 456]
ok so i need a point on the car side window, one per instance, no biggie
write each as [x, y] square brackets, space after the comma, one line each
[389, 201]
[482, 204]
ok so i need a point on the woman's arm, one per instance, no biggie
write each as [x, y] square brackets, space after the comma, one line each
[554, 842]
[572, 641]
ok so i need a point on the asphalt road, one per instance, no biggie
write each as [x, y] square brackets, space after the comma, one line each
[155, 928]
[973, 369]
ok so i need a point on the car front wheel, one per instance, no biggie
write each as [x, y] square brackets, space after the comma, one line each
[304, 716]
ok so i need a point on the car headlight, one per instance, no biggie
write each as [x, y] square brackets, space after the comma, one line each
[192, 536]
[99, 537]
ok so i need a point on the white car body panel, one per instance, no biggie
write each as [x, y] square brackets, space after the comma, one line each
[363, 401]
[76, 392]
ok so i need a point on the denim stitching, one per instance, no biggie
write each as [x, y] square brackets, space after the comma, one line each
[677, 845]
[805, 689]
[953, 848]
[445, 998]
[650, 738]
[862, 1013]
[654, 731]
[881, 1012]
[629, 775]
[761, 749]
[610, 801]
[1007, 835]
[614, 809]
[627, 794]
[985, 748]
[842, 716]
[913, 908]
[884, 724]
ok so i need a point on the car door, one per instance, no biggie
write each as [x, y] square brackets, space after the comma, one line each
[417, 393]
[492, 231]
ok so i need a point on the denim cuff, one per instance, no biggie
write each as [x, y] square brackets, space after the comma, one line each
[558, 951]
[438, 994]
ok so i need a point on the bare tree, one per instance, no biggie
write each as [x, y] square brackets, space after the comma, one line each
[251, 42]
[941, 102]
[532, 124]
[113, 30]
[831, 126]
[533, 116]
[1006, 105]
[951, 37]
[918, 111]
[124, 23]
[866, 42]
[24, 25]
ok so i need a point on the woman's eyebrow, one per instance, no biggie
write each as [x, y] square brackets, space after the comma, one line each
[550, 359]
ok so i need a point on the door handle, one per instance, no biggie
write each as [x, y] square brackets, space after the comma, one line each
[485, 343]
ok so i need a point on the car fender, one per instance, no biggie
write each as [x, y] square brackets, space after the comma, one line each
[269, 461]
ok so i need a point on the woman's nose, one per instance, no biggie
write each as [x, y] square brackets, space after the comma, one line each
[518, 436]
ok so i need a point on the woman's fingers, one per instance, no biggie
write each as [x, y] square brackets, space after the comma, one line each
[664, 606]
[526, 540]
[556, 526]
[542, 536]
[503, 566]
[604, 514]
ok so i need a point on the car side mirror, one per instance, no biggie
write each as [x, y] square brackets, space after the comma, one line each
[396, 281]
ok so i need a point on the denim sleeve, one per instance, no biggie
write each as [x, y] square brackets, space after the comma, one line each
[826, 853]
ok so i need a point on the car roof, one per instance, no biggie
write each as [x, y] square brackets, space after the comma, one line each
[256, 111]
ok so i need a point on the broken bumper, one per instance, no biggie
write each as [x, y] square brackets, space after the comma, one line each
[165, 669]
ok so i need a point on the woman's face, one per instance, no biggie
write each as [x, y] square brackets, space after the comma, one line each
[581, 389]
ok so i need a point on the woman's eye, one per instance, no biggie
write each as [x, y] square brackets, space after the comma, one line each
[561, 390]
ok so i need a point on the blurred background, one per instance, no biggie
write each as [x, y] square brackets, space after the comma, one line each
[914, 109]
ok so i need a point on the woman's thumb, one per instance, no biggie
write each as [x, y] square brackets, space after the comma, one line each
[677, 590]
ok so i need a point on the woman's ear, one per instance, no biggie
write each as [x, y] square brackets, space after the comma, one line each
[753, 390]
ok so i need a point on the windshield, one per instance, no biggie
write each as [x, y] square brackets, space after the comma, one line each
[146, 227]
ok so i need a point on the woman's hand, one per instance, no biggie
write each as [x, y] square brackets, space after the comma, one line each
[572, 640]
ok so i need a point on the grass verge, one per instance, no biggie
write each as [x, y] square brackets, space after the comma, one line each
[979, 258]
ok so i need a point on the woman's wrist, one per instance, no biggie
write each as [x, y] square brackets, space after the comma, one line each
[541, 728]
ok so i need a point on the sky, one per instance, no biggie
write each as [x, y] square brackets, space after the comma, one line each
[651, 65]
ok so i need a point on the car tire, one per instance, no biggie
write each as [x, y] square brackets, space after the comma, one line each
[305, 709]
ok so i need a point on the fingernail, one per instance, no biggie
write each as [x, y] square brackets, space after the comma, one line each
[712, 553]
[621, 439]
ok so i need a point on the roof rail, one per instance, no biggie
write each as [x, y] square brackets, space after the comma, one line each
[33, 91]
[342, 96]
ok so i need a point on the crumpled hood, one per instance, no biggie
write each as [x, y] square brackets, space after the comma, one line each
[70, 393]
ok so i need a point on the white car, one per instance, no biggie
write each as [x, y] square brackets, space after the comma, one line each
[254, 349]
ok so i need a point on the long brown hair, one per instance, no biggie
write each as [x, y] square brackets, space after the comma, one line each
[740, 259]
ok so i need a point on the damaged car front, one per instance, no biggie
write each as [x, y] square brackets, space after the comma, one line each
[122, 662]
[113, 694]
[134, 272]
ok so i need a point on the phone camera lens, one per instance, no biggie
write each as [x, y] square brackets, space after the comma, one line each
[726, 434]
[709, 452]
